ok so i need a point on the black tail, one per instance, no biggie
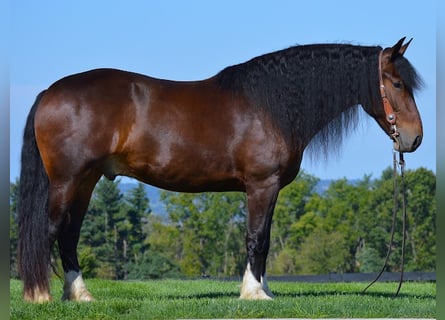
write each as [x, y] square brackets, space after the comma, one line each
[34, 243]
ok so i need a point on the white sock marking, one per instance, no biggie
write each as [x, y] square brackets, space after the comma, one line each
[75, 288]
[251, 289]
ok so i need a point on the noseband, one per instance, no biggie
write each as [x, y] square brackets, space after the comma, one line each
[387, 106]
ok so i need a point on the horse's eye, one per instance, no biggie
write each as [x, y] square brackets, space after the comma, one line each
[397, 85]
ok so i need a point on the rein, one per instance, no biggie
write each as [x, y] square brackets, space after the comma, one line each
[401, 162]
[391, 118]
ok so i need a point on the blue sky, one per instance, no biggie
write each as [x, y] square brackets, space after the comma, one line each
[189, 40]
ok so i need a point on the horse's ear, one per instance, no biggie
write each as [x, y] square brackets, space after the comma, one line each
[399, 48]
[404, 47]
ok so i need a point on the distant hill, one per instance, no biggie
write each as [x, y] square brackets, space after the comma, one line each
[322, 186]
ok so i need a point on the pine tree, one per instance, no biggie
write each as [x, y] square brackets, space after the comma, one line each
[101, 228]
[137, 210]
[137, 213]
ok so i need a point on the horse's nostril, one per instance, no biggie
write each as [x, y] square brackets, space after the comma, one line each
[417, 142]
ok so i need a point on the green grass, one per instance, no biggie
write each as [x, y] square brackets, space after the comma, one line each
[213, 299]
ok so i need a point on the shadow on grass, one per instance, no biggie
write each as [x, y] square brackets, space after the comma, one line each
[278, 295]
[388, 295]
[312, 293]
[206, 295]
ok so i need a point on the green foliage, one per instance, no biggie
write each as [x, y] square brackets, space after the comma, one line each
[152, 265]
[376, 218]
[323, 253]
[421, 185]
[163, 237]
[368, 260]
[290, 207]
[88, 261]
[284, 262]
[210, 228]
[362, 214]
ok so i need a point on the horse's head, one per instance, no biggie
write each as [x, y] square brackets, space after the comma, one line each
[396, 111]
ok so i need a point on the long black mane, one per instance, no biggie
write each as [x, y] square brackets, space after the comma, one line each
[312, 92]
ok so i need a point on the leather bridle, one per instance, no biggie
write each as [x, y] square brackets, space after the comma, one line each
[387, 106]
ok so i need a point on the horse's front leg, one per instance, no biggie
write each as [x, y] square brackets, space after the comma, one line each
[261, 199]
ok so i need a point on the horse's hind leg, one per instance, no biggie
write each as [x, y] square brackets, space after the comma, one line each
[68, 239]
[68, 204]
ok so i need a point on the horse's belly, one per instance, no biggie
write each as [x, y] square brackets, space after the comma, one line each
[182, 174]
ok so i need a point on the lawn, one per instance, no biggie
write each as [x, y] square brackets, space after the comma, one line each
[167, 299]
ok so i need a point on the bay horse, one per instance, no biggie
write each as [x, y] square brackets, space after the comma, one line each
[244, 129]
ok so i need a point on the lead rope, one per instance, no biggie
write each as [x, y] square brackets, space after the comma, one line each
[394, 219]
[402, 173]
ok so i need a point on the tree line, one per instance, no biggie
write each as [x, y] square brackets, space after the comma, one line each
[344, 229]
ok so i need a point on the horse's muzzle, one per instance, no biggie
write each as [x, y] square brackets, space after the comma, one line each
[406, 142]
